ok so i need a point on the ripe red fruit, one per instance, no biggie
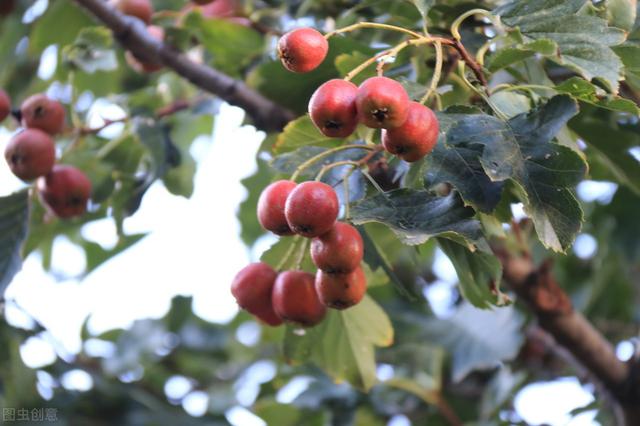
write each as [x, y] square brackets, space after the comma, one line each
[333, 108]
[311, 209]
[252, 288]
[40, 112]
[382, 103]
[338, 251]
[416, 137]
[295, 299]
[30, 154]
[141, 9]
[302, 50]
[341, 291]
[65, 191]
[5, 105]
[271, 207]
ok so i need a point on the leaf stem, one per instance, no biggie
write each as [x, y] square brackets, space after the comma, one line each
[437, 73]
[328, 167]
[361, 25]
[486, 13]
[327, 153]
[288, 254]
[301, 252]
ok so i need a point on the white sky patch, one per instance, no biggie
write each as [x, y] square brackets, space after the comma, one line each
[558, 398]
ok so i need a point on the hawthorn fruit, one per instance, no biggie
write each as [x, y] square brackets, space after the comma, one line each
[40, 112]
[295, 299]
[338, 251]
[5, 105]
[333, 108]
[30, 154]
[341, 291]
[416, 137]
[302, 50]
[252, 288]
[271, 207]
[311, 209]
[382, 103]
[65, 191]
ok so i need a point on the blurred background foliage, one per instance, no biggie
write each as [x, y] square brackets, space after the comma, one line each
[447, 357]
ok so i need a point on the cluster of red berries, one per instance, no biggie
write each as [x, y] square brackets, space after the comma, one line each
[309, 209]
[410, 129]
[31, 154]
[143, 10]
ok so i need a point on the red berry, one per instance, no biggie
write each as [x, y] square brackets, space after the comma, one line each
[146, 67]
[338, 251]
[5, 105]
[311, 209]
[382, 103]
[416, 137]
[65, 191]
[295, 299]
[30, 154]
[141, 9]
[341, 291]
[302, 50]
[271, 207]
[252, 288]
[333, 108]
[40, 112]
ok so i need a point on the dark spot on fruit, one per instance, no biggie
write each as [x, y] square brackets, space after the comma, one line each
[330, 124]
[340, 304]
[401, 150]
[380, 114]
[16, 159]
[283, 230]
[303, 229]
[75, 201]
[39, 111]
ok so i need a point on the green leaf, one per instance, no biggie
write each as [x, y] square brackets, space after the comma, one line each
[611, 143]
[584, 91]
[622, 13]
[477, 339]
[92, 51]
[479, 274]
[343, 344]
[420, 372]
[59, 25]
[584, 41]
[520, 149]
[423, 7]
[376, 258]
[513, 54]
[629, 53]
[302, 132]
[14, 221]
[459, 165]
[233, 46]
[415, 216]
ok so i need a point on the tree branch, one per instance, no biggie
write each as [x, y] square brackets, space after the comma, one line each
[132, 34]
[537, 287]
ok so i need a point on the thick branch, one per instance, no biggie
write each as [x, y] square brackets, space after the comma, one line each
[538, 288]
[132, 34]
